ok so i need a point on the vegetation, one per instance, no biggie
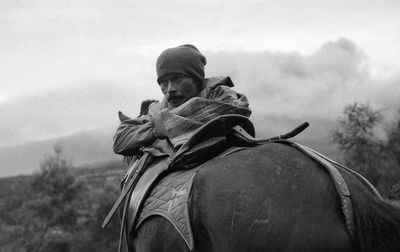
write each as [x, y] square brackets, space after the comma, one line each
[377, 158]
[60, 208]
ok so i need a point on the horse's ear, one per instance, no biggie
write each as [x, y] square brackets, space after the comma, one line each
[144, 109]
[122, 116]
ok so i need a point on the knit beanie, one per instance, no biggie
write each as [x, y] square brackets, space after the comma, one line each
[184, 59]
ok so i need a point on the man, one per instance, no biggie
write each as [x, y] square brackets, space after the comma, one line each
[190, 100]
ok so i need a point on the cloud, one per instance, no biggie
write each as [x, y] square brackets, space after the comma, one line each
[282, 88]
[85, 106]
[317, 85]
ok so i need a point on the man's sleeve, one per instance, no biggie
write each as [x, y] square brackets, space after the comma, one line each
[132, 134]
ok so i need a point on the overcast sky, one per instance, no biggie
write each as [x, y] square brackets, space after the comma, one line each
[69, 66]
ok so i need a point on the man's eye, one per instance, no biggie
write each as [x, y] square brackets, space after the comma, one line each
[177, 80]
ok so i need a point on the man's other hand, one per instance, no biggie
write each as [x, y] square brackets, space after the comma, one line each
[164, 102]
[156, 107]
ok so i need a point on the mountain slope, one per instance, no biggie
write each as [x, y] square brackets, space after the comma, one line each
[82, 148]
[96, 146]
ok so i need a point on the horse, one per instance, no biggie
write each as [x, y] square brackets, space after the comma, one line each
[273, 197]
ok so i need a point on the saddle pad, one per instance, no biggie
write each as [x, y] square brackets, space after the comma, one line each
[170, 199]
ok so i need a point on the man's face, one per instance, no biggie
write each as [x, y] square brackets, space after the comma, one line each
[180, 88]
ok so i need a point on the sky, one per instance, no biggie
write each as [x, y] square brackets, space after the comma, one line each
[69, 66]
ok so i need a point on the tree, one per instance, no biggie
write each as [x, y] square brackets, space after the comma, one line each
[363, 150]
[393, 150]
[56, 190]
[104, 239]
[393, 145]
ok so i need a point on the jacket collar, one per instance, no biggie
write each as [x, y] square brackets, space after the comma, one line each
[217, 81]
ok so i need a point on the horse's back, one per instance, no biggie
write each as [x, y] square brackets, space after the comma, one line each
[267, 198]
[273, 197]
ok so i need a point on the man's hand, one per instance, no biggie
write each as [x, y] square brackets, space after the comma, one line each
[164, 102]
[156, 107]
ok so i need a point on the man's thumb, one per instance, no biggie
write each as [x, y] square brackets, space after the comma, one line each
[122, 116]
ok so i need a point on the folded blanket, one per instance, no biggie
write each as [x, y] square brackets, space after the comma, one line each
[180, 123]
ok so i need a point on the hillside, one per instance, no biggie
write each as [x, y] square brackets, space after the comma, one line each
[94, 147]
[100, 184]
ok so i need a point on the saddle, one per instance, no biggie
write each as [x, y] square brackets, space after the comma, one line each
[221, 136]
[209, 141]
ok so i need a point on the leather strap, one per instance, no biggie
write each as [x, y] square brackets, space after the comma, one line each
[141, 165]
[359, 176]
[339, 182]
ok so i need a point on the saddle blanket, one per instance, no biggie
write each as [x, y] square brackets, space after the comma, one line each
[170, 199]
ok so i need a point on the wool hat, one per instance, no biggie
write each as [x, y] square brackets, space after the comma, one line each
[183, 59]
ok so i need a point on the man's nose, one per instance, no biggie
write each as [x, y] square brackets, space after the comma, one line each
[171, 87]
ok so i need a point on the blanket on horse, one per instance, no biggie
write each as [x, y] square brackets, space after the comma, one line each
[170, 199]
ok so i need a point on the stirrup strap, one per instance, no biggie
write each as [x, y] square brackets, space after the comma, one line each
[122, 233]
[142, 164]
